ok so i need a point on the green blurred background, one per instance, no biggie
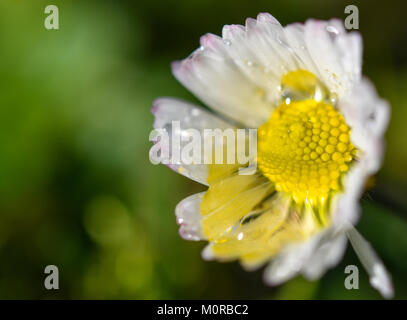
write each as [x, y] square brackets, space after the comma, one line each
[77, 189]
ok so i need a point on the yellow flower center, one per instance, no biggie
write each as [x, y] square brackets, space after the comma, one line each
[304, 148]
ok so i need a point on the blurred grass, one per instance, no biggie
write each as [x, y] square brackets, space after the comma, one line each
[76, 187]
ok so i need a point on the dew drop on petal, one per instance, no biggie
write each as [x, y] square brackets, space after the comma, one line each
[332, 29]
[334, 98]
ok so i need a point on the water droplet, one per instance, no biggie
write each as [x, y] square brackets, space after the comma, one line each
[334, 98]
[227, 42]
[249, 63]
[332, 29]
[301, 85]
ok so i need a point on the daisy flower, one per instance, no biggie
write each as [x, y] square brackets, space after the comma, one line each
[320, 128]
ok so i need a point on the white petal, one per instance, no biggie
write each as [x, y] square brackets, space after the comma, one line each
[288, 263]
[379, 277]
[262, 52]
[345, 206]
[207, 253]
[189, 217]
[167, 110]
[368, 116]
[311, 258]
[327, 254]
[295, 37]
[336, 53]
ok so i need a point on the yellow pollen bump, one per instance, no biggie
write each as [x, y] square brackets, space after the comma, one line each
[304, 148]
